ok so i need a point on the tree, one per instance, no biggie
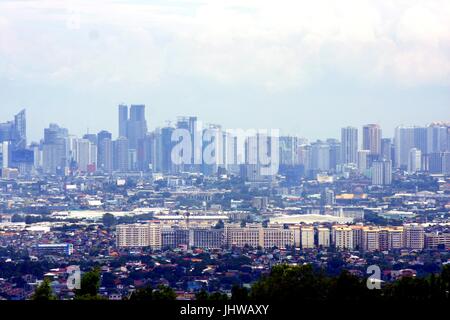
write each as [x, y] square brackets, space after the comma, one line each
[286, 282]
[43, 292]
[90, 283]
[108, 220]
[144, 294]
[239, 294]
[164, 293]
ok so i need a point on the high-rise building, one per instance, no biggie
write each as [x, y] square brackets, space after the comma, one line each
[123, 120]
[136, 125]
[307, 237]
[407, 138]
[382, 172]
[363, 161]
[20, 130]
[139, 235]
[342, 237]
[372, 139]
[4, 155]
[437, 138]
[320, 156]
[414, 236]
[439, 162]
[55, 150]
[120, 152]
[323, 237]
[349, 145]
[415, 160]
[86, 155]
[105, 152]
[387, 149]
[371, 239]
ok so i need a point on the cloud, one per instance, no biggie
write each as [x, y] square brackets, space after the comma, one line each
[275, 45]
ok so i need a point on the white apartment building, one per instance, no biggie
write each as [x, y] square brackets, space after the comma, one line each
[323, 237]
[307, 237]
[342, 237]
[139, 235]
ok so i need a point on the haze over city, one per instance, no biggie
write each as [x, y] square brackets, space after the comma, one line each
[305, 68]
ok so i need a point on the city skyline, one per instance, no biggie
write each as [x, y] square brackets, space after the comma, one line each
[114, 127]
[376, 63]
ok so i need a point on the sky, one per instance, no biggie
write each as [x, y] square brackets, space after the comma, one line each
[304, 67]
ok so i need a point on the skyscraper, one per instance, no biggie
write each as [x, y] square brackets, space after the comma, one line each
[386, 149]
[121, 157]
[55, 149]
[20, 130]
[415, 160]
[404, 142]
[349, 145]
[363, 161]
[137, 125]
[372, 139]
[104, 152]
[123, 120]
[382, 172]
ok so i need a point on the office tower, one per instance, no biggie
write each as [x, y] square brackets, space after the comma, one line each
[14, 132]
[307, 237]
[139, 235]
[86, 155]
[414, 236]
[372, 139]
[404, 142]
[20, 130]
[92, 137]
[136, 125]
[335, 154]
[386, 149]
[439, 163]
[123, 120]
[320, 156]
[120, 159]
[212, 149]
[104, 152]
[4, 155]
[349, 145]
[165, 150]
[323, 237]
[415, 160]
[363, 161]
[342, 237]
[421, 139]
[146, 152]
[195, 129]
[105, 155]
[327, 197]
[55, 150]
[438, 137]
[382, 172]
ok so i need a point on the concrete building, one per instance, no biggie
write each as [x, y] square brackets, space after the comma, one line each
[307, 237]
[323, 237]
[139, 235]
[414, 236]
[342, 237]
